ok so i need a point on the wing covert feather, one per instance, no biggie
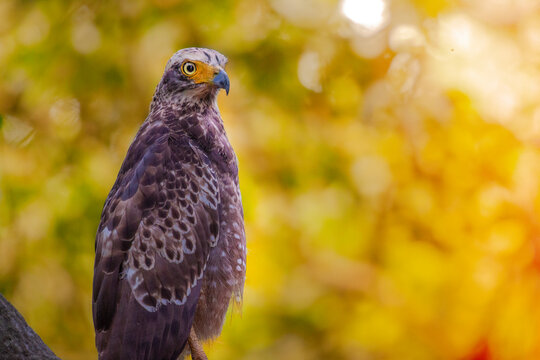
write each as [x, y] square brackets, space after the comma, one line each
[158, 225]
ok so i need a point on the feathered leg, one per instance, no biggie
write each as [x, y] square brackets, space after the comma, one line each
[197, 352]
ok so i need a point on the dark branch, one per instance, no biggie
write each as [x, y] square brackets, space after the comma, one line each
[17, 339]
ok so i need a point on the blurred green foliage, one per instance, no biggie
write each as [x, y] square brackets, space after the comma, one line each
[390, 172]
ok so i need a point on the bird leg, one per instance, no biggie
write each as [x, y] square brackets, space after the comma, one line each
[197, 352]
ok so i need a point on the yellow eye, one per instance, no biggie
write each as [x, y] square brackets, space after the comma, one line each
[189, 68]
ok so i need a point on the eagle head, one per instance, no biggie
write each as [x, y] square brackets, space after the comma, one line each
[194, 73]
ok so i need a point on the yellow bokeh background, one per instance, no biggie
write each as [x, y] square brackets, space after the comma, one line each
[389, 164]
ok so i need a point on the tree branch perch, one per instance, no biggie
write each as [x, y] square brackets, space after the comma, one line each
[17, 339]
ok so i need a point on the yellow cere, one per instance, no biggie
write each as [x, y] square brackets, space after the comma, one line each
[203, 73]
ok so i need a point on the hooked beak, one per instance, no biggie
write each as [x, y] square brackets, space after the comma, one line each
[221, 80]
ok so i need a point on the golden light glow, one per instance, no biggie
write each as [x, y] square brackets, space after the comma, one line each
[470, 55]
[371, 15]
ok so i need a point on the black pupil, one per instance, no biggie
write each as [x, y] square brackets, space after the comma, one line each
[190, 68]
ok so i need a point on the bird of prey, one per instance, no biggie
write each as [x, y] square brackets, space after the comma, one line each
[170, 247]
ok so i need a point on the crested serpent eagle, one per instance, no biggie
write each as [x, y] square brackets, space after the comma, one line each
[170, 247]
